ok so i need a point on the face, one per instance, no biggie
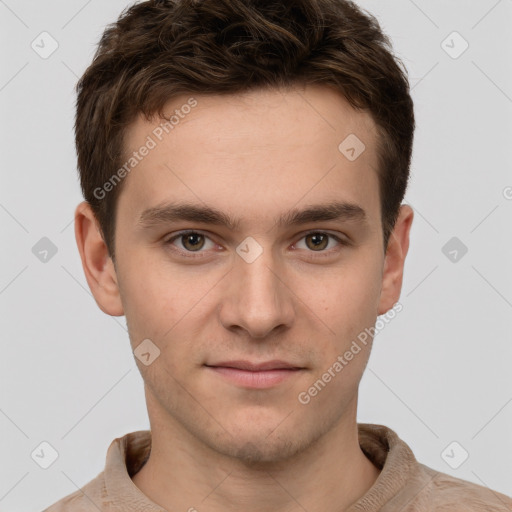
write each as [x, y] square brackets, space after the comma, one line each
[295, 278]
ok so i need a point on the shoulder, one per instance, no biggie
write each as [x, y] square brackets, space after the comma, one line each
[87, 499]
[451, 494]
[125, 456]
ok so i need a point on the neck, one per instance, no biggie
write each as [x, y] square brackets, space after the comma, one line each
[184, 474]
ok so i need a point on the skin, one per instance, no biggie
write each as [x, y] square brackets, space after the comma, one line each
[216, 445]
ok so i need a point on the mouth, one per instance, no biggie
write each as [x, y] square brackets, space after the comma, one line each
[255, 375]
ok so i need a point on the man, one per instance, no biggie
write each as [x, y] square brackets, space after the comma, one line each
[244, 165]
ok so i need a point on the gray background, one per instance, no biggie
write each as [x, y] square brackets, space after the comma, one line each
[439, 372]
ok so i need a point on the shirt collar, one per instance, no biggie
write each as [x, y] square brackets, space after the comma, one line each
[127, 455]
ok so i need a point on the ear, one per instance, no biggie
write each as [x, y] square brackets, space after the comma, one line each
[394, 261]
[98, 266]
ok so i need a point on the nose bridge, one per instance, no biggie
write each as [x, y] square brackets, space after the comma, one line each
[258, 299]
[259, 279]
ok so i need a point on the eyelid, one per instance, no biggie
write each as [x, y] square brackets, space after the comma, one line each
[341, 239]
[192, 254]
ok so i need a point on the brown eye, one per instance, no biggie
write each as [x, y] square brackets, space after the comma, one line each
[321, 243]
[317, 241]
[190, 244]
[192, 241]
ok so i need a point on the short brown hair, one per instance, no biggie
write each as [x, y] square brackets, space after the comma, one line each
[159, 49]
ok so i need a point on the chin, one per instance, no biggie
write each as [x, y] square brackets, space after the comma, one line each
[263, 452]
[264, 444]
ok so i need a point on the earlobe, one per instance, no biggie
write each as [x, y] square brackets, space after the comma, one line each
[394, 262]
[98, 266]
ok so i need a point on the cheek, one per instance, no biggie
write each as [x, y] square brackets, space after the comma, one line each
[348, 300]
[164, 303]
[155, 310]
[149, 298]
[349, 308]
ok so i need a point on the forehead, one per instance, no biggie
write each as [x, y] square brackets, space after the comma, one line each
[237, 151]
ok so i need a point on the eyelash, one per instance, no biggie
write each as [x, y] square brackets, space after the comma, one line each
[199, 254]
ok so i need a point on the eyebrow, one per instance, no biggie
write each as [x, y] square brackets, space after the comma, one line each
[172, 212]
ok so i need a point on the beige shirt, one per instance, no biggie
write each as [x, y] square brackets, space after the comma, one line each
[404, 485]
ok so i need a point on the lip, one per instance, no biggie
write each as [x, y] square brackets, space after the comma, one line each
[255, 375]
[276, 364]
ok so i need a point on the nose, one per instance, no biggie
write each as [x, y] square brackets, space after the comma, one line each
[257, 298]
